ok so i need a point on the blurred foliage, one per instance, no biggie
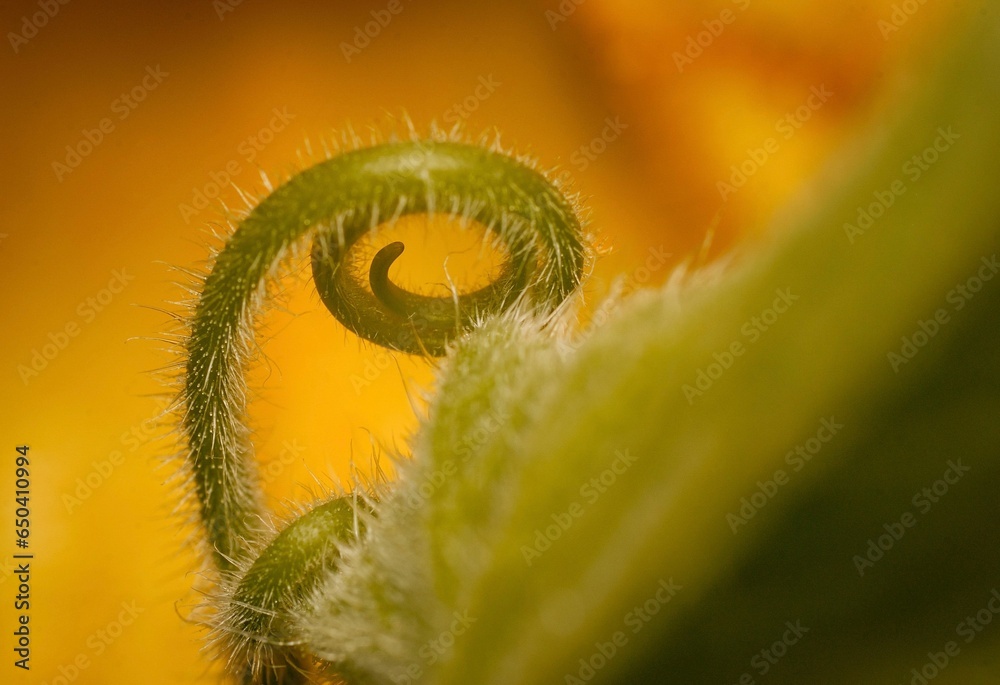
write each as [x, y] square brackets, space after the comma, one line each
[871, 320]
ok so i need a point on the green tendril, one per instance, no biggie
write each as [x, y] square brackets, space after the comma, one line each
[525, 212]
[335, 204]
[258, 636]
[340, 201]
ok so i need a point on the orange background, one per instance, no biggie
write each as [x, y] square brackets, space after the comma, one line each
[86, 413]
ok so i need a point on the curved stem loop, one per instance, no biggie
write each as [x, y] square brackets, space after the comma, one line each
[336, 203]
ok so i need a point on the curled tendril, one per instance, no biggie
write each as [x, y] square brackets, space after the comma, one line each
[336, 203]
[528, 215]
[259, 644]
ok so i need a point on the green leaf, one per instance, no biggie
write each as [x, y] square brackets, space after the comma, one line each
[557, 497]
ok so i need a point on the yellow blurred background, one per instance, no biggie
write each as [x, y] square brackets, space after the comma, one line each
[647, 106]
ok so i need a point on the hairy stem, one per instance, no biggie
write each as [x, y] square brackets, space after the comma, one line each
[336, 203]
[259, 638]
[340, 201]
